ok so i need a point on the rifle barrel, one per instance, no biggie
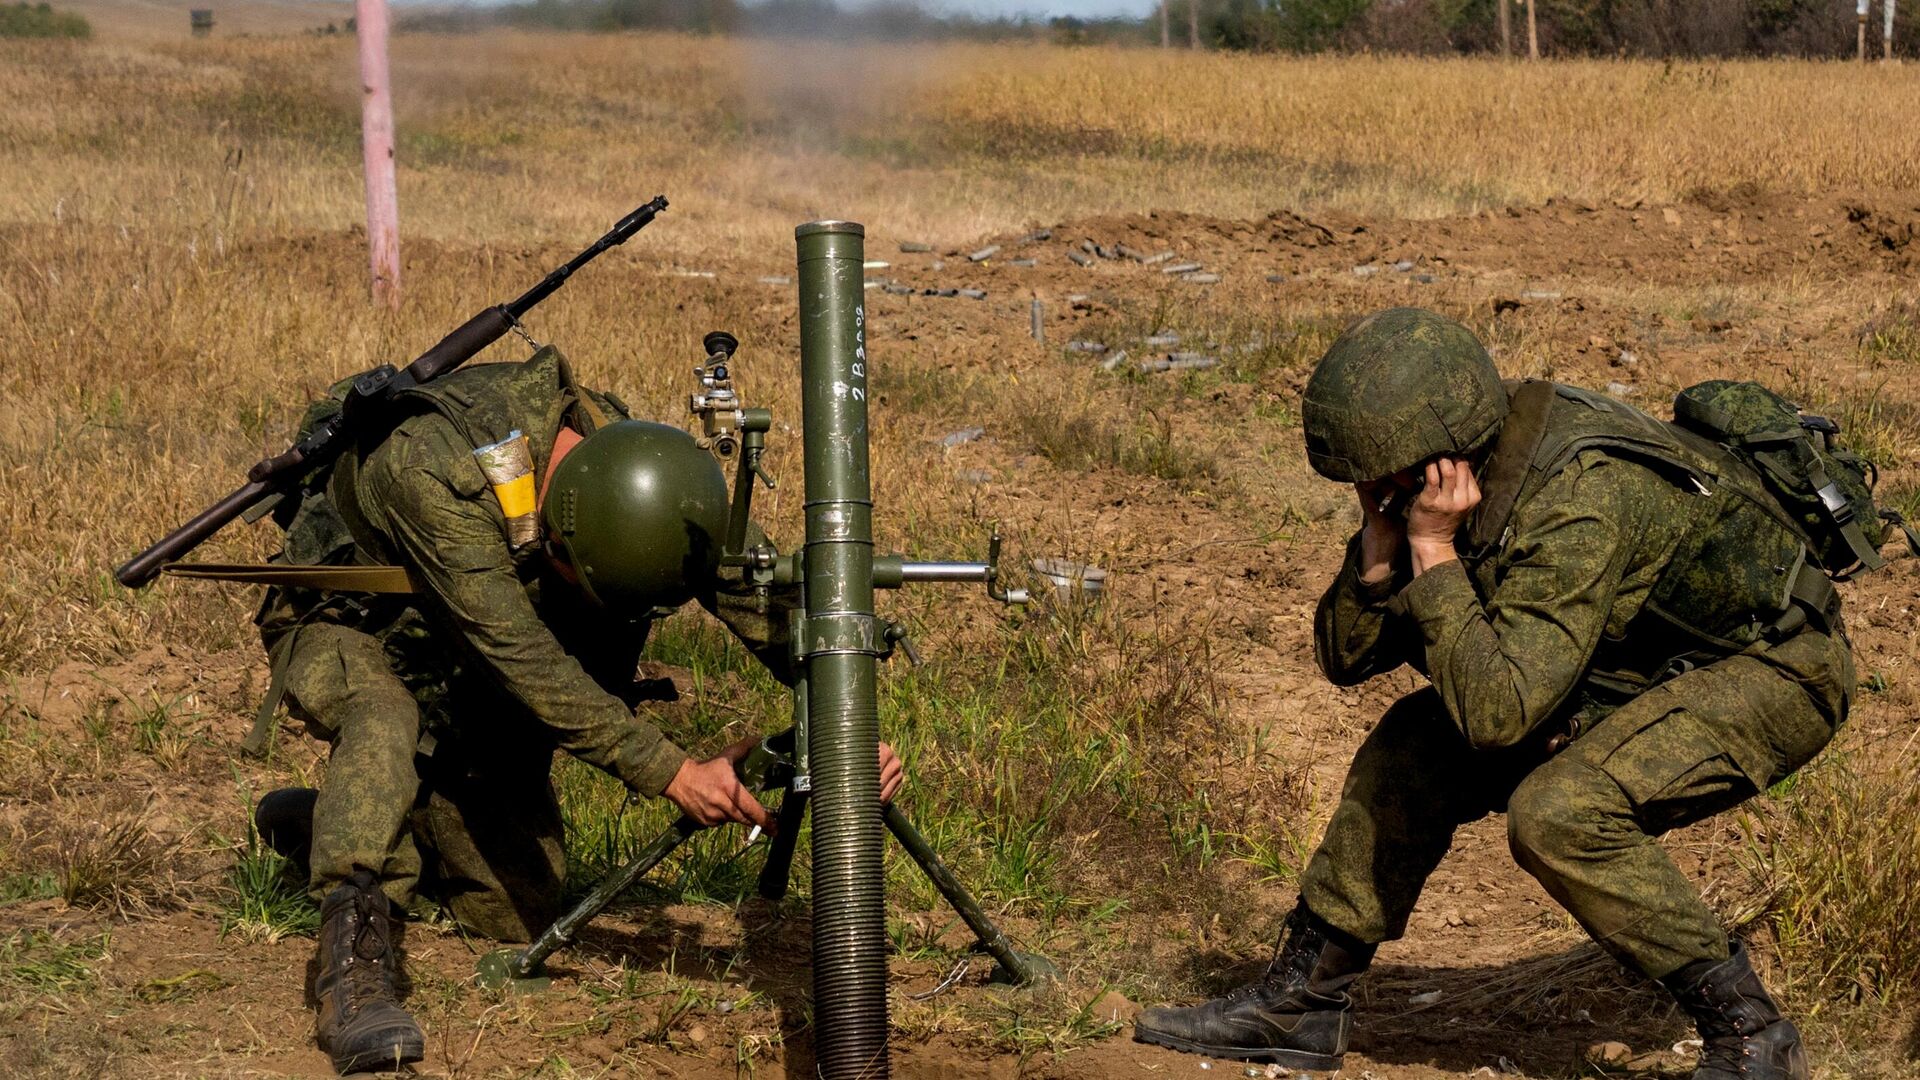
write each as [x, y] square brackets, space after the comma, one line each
[463, 344]
[615, 236]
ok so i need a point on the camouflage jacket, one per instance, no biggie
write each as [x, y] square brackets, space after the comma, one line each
[490, 619]
[1609, 560]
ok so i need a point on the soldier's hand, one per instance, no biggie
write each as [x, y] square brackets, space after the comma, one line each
[710, 793]
[1384, 529]
[893, 773]
[1440, 509]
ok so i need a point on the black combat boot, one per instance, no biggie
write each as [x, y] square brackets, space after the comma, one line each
[1744, 1035]
[361, 1024]
[1295, 1016]
[284, 819]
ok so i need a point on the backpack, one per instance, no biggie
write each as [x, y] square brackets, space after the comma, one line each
[1825, 488]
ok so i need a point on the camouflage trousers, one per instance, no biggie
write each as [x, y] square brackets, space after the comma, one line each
[1582, 821]
[476, 828]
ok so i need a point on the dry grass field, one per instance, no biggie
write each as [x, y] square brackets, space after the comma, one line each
[1133, 785]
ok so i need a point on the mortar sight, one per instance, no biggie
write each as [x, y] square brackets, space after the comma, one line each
[716, 404]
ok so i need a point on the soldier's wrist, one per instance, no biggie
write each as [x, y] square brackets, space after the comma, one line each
[1373, 591]
[658, 770]
[1428, 554]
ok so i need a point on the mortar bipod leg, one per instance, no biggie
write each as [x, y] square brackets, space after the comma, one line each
[1021, 968]
[774, 874]
[503, 965]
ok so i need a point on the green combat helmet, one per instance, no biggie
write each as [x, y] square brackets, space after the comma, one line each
[1395, 389]
[640, 513]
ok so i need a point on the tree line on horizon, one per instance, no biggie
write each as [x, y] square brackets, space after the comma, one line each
[1641, 28]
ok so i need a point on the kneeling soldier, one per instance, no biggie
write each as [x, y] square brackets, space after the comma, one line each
[1622, 636]
[544, 532]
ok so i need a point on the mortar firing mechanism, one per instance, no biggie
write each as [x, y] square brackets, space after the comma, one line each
[731, 432]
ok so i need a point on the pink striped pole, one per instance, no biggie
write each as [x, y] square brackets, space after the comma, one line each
[376, 140]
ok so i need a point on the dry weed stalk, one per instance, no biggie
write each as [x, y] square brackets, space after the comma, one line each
[104, 853]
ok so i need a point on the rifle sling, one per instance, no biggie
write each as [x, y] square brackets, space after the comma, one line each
[360, 579]
[260, 737]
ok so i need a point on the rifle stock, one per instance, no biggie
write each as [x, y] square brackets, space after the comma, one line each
[144, 567]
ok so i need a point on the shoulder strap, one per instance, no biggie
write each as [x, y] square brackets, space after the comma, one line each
[1511, 461]
[1841, 514]
[592, 414]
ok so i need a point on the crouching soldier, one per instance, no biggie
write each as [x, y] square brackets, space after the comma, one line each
[543, 531]
[1623, 633]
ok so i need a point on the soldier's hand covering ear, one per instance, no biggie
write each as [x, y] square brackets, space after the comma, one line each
[1440, 510]
[711, 793]
[1382, 507]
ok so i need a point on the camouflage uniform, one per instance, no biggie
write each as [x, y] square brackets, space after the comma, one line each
[1635, 634]
[444, 707]
[1558, 693]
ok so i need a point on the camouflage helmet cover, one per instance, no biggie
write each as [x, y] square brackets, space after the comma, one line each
[640, 513]
[1395, 389]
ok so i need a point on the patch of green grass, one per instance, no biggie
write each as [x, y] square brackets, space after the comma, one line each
[456, 148]
[655, 1005]
[1894, 337]
[1083, 435]
[1263, 350]
[1052, 1024]
[44, 962]
[750, 1047]
[604, 832]
[1190, 830]
[103, 730]
[731, 695]
[1276, 855]
[1839, 913]
[29, 885]
[931, 391]
[918, 938]
[1879, 427]
[157, 735]
[280, 109]
[711, 653]
[1903, 498]
[1081, 724]
[266, 900]
[1713, 304]
[182, 987]
[42, 21]
[670, 1007]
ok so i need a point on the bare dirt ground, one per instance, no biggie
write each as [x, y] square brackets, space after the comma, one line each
[1637, 300]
